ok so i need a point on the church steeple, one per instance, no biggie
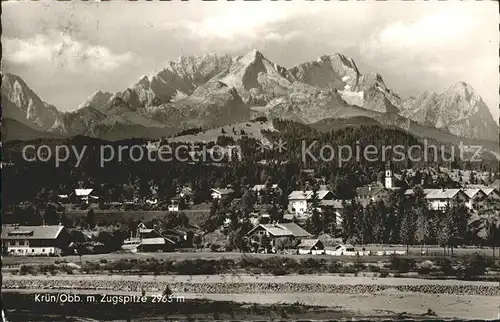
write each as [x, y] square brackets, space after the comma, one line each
[389, 180]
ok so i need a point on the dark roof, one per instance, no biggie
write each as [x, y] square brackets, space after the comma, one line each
[310, 243]
[283, 230]
[31, 232]
[369, 191]
[296, 229]
[495, 184]
[224, 191]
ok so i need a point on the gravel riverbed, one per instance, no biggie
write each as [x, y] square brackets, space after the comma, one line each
[233, 287]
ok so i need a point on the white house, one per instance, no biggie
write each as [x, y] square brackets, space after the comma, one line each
[34, 240]
[439, 198]
[299, 201]
[85, 195]
[259, 188]
[476, 198]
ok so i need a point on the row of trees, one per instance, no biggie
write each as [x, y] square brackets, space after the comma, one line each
[410, 221]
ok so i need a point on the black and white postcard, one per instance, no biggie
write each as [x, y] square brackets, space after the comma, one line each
[250, 161]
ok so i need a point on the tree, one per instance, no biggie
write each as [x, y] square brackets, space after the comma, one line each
[379, 225]
[264, 242]
[493, 234]
[237, 239]
[314, 224]
[423, 220]
[91, 219]
[329, 221]
[275, 213]
[491, 223]
[408, 228]
[458, 219]
[51, 217]
[197, 241]
[348, 220]
[282, 243]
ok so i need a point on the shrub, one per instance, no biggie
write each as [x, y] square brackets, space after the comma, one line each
[119, 265]
[334, 267]
[349, 269]
[423, 270]
[269, 264]
[374, 268]
[67, 269]
[28, 269]
[445, 266]
[384, 274]
[250, 262]
[90, 267]
[48, 268]
[475, 265]
[402, 264]
[359, 266]
[279, 271]
[196, 267]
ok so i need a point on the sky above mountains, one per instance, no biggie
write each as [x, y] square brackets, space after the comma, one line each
[66, 51]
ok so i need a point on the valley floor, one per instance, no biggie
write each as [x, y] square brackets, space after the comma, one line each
[355, 296]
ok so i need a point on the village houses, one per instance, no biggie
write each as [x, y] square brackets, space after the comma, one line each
[34, 240]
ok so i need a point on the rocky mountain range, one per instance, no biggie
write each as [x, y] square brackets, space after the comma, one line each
[214, 90]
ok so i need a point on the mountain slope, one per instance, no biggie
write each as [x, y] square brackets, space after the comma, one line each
[20, 103]
[212, 104]
[341, 73]
[459, 110]
[256, 79]
[12, 129]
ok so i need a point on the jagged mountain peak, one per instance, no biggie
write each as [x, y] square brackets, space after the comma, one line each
[329, 71]
[8, 77]
[144, 81]
[341, 59]
[97, 99]
[252, 57]
[20, 103]
[463, 90]
[459, 110]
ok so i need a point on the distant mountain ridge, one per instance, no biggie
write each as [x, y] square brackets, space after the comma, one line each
[215, 90]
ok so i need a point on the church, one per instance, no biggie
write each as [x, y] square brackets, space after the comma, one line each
[378, 190]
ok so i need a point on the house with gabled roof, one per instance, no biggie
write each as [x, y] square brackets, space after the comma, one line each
[35, 240]
[477, 198]
[84, 195]
[290, 230]
[495, 184]
[259, 189]
[373, 193]
[309, 246]
[439, 199]
[491, 193]
[220, 193]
